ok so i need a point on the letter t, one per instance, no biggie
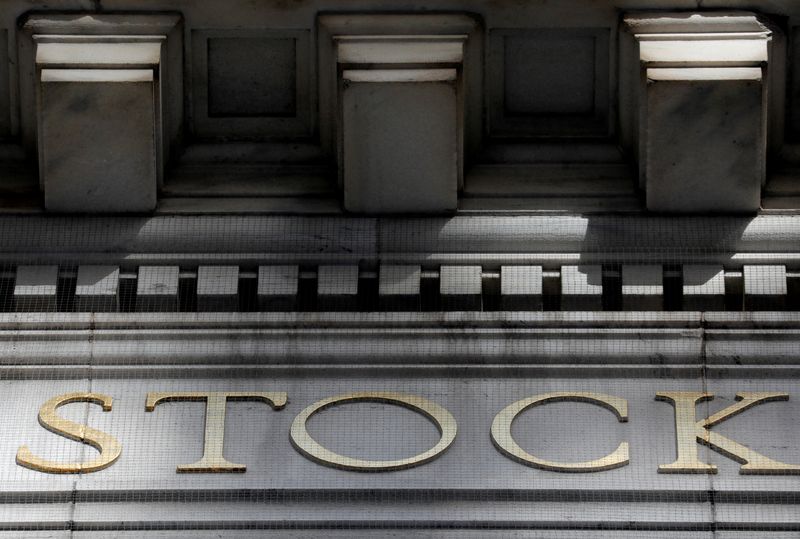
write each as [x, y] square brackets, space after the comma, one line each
[213, 460]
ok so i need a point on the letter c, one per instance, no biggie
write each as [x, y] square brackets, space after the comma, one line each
[504, 441]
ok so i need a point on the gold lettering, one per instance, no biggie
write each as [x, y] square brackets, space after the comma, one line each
[504, 441]
[213, 460]
[309, 447]
[688, 432]
[108, 446]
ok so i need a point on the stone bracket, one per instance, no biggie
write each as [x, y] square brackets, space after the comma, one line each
[401, 133]
[398, 84]
[694, 89]
[108, 98]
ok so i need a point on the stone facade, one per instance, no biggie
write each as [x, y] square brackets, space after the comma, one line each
[338, 247]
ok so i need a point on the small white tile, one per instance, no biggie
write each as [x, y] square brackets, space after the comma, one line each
[581, 288]
[399, 280]
[337, 280]
[157, 288]
[97, 288]
[35, 288]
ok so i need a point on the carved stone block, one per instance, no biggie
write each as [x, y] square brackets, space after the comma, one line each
[157, 288]
[102, 104]
[581, 288]
[277, 288]
[765, 288]
[642, 288]
[97, 150]
[218, 288]
[337, 288]
[35, 288]
[399, 287]
[97, 289]
[703, 288]
[694, 108]
[460, 288]
[705, 139]
[401, 127]
[521, 288]
[404, 157]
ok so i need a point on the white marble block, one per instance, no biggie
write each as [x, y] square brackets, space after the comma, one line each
[102, 105]
[218, 288]
[694, 91]
[765, 288]
[460, 288]
[277, 288]
[93, 122]
[35, 288]
[703, 288]
[581, 288]
[642, 288]
[399, 287]
[705, 139]
[521, 288]
[157, 288]
[400, 127]
[337, 288]
[97, 289]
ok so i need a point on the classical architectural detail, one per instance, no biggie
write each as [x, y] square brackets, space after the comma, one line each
[696, 107]
[110, 87]
[443, 269]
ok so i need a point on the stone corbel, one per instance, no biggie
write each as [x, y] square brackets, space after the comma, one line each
[694, 92]
[401, 132]
[400, 96]
[105, 115]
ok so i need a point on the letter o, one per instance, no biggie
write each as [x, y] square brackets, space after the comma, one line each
[306, 445]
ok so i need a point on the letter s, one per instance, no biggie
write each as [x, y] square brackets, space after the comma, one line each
[110, 449]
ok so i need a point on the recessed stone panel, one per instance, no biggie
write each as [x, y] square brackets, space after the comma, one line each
[794, 86]
[548, 82]
[5, 112]
[548, 76]
[252, 76]
[250, 83]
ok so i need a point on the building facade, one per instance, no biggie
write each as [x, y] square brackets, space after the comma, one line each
[462, 268]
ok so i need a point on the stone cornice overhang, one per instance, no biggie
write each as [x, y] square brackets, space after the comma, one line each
[612, 342]
[489, 240]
